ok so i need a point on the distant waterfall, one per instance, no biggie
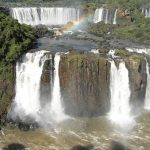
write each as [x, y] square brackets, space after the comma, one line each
[147, 96]
[120, 94]
[98, 15]
[146, 12]
[106, 15]
[115, 17]
[45, 16]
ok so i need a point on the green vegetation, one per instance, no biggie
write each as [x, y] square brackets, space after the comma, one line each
[15, 39]
[42, 31]
[137, 31]
[100, 28]
[122, 53]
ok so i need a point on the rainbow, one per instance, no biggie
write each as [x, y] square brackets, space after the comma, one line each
[76, 25]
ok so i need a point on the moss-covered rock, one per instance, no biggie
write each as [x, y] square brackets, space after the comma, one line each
[84, 80]
[136, 65]
[122, 53]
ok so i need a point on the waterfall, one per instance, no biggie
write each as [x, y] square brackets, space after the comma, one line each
[146, 12]
[147, 96]
[27, 104]
[120, 94]
[115, 17]
[53, 112]
[56, 108]
[44, 15]
[106, 15]
[98, 15]
[28, 76]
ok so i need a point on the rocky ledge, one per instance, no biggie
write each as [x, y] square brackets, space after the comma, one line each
[84, 80]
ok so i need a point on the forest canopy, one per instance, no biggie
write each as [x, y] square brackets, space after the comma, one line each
[15, 38]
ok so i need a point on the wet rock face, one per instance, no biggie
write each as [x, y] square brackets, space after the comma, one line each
[47, 80]
[84, 80]
[137, 75]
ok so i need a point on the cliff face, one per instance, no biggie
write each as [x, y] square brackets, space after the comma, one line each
[137, 75]
[47, 80]
[84, 80]
[136, 65]
[7, 90]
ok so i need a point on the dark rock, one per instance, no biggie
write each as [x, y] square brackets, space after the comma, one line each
[118, 146]
[14, 146]
[5, 10]
[103, 50]
[26, 126]
[80, 147]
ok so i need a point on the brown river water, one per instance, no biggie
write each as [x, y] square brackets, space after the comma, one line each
[98, 133]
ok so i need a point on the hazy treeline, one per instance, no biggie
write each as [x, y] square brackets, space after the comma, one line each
[89, 3]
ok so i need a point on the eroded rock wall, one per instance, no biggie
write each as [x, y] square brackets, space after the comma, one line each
[47, 78]
[84, 80]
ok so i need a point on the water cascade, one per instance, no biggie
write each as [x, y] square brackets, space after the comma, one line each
[44, 15]
[106, 15]
[98, 15]
[28, 76]
[55, 110]
[120, 94]
[147, 96]
[115, 17]
[27, 103]
[146, 12]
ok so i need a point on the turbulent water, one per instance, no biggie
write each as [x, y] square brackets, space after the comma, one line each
[105, 15]
[120, 94]
[45, 16]
[97, 132]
